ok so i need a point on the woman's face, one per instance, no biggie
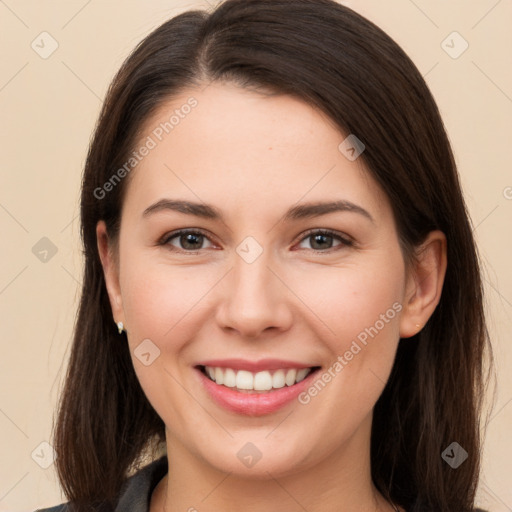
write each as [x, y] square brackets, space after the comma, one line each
[255, 288]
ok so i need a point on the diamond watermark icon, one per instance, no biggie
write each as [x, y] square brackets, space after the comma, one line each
[249, 455]
[44, 250]
[454, 455]
[44, 45]
[351, 147]
[146, 352]
[454, 45]
[43, 455]
[249, 249]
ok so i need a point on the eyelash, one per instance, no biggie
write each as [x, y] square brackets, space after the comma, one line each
[345, 241]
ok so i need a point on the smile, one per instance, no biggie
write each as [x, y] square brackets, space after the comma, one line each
[253, 390]
[244, 380]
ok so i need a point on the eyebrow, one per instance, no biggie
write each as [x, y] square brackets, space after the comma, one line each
[302, 211]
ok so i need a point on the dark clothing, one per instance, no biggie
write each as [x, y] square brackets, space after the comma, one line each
[135, 495]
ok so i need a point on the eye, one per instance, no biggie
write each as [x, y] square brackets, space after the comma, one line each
[189, 240]
[323, 239]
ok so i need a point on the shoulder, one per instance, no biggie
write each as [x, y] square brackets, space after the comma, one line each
[136, 491]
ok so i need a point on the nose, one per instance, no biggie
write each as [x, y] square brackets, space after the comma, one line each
[255, 299]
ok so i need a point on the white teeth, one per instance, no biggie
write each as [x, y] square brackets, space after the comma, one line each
[219, 376]
[301, 374]
[291, 374]
[244, 380]
[260, 381]
[278, 379]
[229, 378]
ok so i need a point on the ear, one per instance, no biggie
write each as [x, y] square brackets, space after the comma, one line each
[424, 284]
[110, 271]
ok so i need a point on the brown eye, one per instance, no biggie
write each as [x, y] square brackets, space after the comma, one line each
[322, 240]
[187, 240]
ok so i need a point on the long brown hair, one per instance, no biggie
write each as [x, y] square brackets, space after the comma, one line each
[342, 64]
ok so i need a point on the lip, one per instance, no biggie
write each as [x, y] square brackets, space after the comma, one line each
[254, 404]
[255, 366]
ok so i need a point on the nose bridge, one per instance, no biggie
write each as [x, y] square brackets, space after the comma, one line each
[255, 299]
[251, 278]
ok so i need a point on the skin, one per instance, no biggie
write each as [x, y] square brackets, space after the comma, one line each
[254, 156]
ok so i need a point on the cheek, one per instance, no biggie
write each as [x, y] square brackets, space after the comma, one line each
[161, 303]
[157, 297]
[352, 300]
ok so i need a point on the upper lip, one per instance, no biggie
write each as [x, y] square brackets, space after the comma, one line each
[254, 366]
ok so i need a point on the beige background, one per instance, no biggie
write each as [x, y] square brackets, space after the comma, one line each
[49, 107]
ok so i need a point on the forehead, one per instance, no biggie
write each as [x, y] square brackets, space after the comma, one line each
[235, 145]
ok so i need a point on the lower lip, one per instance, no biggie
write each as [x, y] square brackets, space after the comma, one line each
[254, 404]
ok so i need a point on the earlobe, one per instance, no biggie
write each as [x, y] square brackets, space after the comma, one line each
[110, 272]
[424, 284]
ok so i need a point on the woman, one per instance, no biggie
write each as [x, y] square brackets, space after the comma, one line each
[281, 284]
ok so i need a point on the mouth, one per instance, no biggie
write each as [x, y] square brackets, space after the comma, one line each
[265, 381]
[254, 393]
